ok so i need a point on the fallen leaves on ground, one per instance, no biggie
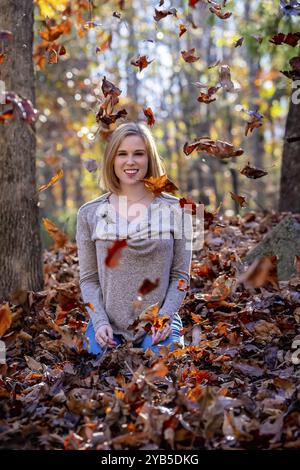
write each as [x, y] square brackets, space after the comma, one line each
[235, 384]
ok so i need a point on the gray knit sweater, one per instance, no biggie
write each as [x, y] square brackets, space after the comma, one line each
[159, 246]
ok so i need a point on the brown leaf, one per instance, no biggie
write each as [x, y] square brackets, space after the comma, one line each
[108, 88]
[141, 62]
[189, 56]
[160, 14]
[148, 286]
[252, 172]
[239, 42]
[291, 39]
[241, 200]
[150, 116]
[216, 148]
[159, 184]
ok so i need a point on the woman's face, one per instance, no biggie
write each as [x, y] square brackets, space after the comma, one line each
[131, 154]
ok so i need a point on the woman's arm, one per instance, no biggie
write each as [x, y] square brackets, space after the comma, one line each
[181, 265]
[88, 277]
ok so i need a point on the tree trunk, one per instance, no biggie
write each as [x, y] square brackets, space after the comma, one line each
[21, 251]
[290, 170]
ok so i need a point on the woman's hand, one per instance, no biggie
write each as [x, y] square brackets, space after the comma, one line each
[160, 335]
[104, 336]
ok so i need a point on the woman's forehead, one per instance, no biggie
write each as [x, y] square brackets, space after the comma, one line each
[132, 141]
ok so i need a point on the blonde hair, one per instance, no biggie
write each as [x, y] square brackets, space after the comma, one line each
[108, 179]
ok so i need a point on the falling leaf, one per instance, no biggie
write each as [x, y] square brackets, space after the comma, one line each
[160, 14]
[53, 180]
[239, 42]
[148, 286]
[57, 235]
[217, 10]
[182, 29]
[241, 200]
[188, 202]
[216, 148]
[91, 165]
[208, 97]
[108, 88]
[254, 123]
[189, 56]
[252, 172]
[159, 184]
[5, 318]
[150, 116]
[291, 39]
[141, 61]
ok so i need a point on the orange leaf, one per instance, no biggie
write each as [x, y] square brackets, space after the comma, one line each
[59, 237]
[5, 318]
[159, 184]
[150, 116]
[53, 180]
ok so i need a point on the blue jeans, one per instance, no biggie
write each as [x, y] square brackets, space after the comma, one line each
[175, 337]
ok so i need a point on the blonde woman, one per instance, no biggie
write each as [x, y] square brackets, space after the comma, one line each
[156, 248]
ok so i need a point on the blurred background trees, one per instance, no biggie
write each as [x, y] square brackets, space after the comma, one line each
[101, 38]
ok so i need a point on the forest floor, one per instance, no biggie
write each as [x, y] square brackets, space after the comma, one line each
[235, 385]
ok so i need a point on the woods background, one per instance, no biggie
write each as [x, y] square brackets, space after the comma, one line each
[57, 57]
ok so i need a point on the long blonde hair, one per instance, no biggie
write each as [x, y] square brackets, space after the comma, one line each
[108, 179]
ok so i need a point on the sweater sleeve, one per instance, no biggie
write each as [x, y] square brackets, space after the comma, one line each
[180, 268]
[88, 272]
